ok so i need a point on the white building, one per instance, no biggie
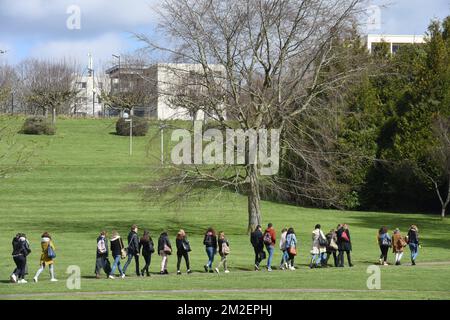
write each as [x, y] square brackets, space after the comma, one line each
[88, 101]
[394, 41]
[163, 80]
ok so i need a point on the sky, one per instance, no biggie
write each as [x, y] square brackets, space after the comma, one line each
[50, 29]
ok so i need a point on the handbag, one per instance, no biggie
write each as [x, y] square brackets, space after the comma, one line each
[225, 249]
[186, 245]
[50, 252]
[292, 251]
[322, 241]
[345, 236]
[123, 251]
[333, 245]
[167, 249]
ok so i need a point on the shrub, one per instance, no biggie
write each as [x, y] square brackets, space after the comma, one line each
[140, 127]
[38, 125]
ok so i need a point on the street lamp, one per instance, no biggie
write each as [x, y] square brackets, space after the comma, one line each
[130, 120]
[162, 127]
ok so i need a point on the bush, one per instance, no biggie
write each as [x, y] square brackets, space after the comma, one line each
[140, 127]
[38, 125]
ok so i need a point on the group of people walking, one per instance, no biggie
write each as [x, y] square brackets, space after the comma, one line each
[21, 249]
[214, 243]
[398, 243]
[336, 243]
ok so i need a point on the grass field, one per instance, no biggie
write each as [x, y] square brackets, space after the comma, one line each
[76, 185]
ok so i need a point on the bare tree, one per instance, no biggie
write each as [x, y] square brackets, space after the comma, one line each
[274, 55]
[49, 85]
[7, 82]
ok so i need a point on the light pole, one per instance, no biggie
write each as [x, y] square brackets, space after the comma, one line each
[162, 127]
[130, 120]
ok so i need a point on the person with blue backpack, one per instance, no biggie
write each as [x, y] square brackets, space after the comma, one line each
[385, 242]
[47, 257]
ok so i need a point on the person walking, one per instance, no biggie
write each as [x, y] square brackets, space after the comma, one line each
[398, 245]
[385, 242]
[117, 251]
[257, 241]
[164, 250]
[183, 249]
[47, 257]
[21, 249]
[284, 254]
[332, 246]
[413, 242]
[319, 248]
[291, 247]
[133, 250]
[102, 261]
[224, 251]
[147, 248]
[344, 245]
[269, 241]
[210, 242]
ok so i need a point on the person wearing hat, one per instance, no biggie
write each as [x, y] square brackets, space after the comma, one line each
[116, 251]
[398, 245]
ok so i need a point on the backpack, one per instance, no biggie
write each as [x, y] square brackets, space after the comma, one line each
[225, 249]
[322, 241]
[267, 239]
[385, 241]
[50, 252]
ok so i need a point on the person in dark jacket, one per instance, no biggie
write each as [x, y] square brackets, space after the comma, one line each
[413, 242]
[344, 243]
[164, 250]
[133, 250]
[21, 249]
[116, 251]
[102, 261]
[147, 246]
[210, 242]
[183, 249]
[332, 246]
[257, 241]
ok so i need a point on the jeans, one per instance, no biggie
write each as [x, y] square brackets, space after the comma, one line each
[130, 258]
[101, 263]
[21, 263]
[319, 259]
[184, 255]
[270, 250]
[148, 260]
[284, 257]
[414, 247]
[116, 264]
[210, 251]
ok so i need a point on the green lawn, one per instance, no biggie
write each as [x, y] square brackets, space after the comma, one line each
[77, 184]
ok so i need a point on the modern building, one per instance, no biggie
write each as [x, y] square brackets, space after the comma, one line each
[394, 41]
[88, 101]
[163, 82]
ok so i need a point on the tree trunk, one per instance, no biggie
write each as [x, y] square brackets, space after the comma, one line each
[254, 210]
[53, 115]
[443, 213]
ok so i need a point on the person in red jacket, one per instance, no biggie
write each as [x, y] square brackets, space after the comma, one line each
[269, 241]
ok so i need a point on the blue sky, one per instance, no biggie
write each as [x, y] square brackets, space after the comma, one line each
[37, 28]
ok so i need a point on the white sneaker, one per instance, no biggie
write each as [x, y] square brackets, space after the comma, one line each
[123, 276]
[291, 268]
[22, 281]
[13, 278]
[269, 269]
[217, 270]
[35, 279]
[54, 280]
[227, 271]
[381, 261]
[111, 277]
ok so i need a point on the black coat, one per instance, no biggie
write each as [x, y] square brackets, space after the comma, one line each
[133, 243]
[163, 240]
[147, 246]
[221, 242]
[210, 241]
[344, 245]
[20, 247]
[413, 237]
[257, 239]
[116, 247]
[182, 245]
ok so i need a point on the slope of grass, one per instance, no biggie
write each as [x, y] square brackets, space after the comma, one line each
[77, 184]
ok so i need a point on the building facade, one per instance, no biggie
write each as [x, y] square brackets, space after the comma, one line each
[394, 41]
